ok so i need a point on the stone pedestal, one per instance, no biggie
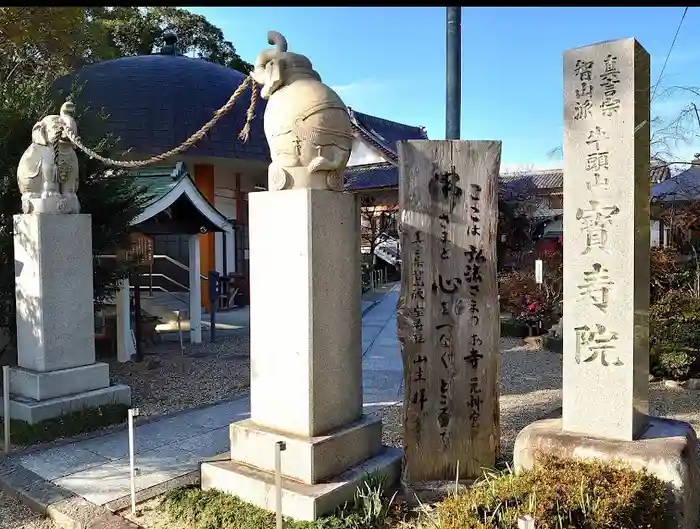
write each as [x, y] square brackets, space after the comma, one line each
[666, 449]
[56, 371]
[306, 360]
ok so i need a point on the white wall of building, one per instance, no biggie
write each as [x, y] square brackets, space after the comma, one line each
[225, 202]
[655, 235]
[363, 154]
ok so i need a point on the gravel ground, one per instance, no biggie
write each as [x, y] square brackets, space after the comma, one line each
[15, 515]
[166, 381]
[531, 388]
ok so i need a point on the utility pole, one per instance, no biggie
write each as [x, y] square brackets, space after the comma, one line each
[453, 113]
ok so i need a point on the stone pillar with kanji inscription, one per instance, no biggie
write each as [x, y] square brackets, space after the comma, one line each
[448, 318]
[606, 282]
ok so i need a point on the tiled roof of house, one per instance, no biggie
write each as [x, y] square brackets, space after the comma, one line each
[658, 171]
[158, 181]
[684, 186]
[371, 176]
[383, 134]
[154, 102]
[541, 179]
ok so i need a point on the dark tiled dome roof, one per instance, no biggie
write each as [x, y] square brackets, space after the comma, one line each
[155, 102]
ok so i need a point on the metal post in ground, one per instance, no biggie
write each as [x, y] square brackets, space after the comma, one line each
[179, 333]
[137, 314]
[526, 522]
[453, 113]
[133, 412]
[6, 405]
[213, 283]
[280, 446]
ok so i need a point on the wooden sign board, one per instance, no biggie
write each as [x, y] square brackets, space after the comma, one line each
[139, 249]
[448, 314]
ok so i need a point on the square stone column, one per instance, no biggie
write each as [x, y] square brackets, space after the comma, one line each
[305, 317]
[56, 370]
[606, 283]
[306, 359]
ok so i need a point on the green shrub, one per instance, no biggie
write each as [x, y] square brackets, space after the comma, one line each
[515, 329]
[559, 494]
[68, 425]
[674, 335]
[212, 509]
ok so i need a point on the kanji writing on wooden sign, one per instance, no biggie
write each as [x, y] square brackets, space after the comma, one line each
[447, 324]
[444, 235]
[475, 197]
[444, 414]
[475, 259]
[445, 186]
[417, 314]
[418, 290]
[419, 398]
[474, 355]
[139, 249]
[447, 286]
[475, 401]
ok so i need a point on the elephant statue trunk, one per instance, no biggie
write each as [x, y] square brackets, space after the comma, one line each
[307, 125]
[277, 39]
[47, 174]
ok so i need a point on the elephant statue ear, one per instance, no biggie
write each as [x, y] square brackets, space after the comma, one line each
[30, 164]
[273, 73]
[39, 135]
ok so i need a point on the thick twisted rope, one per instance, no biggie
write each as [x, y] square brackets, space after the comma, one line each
[189, 142]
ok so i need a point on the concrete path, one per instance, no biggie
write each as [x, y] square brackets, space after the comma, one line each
[98, 469]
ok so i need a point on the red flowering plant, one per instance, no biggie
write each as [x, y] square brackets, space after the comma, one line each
[533, 310]
[529, 302]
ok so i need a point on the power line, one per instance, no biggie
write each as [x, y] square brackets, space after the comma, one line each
[673, 43]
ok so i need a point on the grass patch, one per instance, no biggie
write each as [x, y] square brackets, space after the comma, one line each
[559, 494]
[68, 425]
[211, 509]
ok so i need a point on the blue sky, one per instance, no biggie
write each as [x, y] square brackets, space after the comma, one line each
[390, 62]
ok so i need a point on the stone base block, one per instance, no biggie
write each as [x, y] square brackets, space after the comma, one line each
[43, 385]
[307, 459]
[667, 449]
[299, 500]
[33, 411]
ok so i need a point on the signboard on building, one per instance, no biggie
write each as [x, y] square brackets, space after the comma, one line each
[139, 249]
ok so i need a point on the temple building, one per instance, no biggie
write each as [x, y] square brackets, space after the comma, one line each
[198, 217]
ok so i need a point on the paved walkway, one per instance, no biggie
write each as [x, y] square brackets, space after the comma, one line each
[98, 469]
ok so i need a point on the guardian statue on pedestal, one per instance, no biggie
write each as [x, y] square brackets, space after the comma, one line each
[47, 174]
[307, 125]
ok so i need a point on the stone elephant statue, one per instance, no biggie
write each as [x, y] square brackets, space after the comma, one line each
[47, 174]
[307, 125]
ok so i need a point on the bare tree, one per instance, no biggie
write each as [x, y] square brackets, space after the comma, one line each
[378, 226]
[668, 134]
[517, 203]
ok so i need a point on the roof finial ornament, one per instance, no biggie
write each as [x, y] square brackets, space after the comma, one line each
[170, 40]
